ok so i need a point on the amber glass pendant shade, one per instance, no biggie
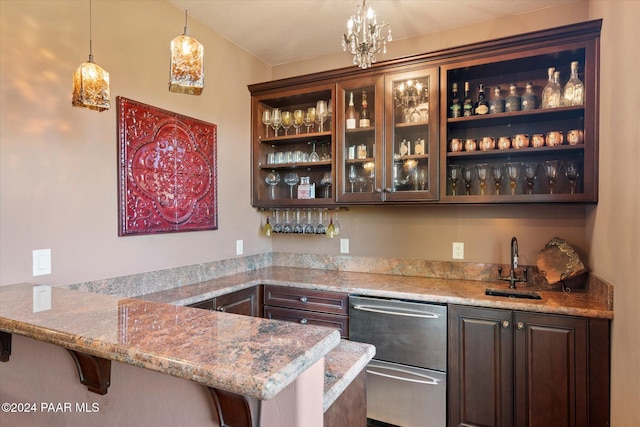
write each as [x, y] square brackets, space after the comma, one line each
[91, 87]
[187, 66]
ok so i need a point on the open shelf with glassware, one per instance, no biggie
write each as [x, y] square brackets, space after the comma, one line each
[526, 149]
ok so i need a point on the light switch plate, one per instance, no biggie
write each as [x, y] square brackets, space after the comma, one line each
[344, 246]
[41, 262]
[239, 247]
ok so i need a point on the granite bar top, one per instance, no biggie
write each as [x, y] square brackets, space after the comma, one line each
[341, 366]
[244, 355]
[588, 302]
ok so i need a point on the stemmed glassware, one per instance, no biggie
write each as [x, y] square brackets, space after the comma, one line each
[483, 174]
[266, 121]
[370, 170]
[497, 173]
[321, 114]
[298, 119]
[277, 227]
[467, 176]
[287, 121]
[422, 178]
[572, 174]
[272, 179]
[336, 223]
[321, 228]
[454, 176]
[291, 179]
[276, 119]
[326, 152]
[551, 170]
[313, 156]
[312, 115]
[326, 181]
[513, 171]
[288, 228]
[352, 176]
[307, 121]
[267, 229]
[298, 227]
[530, 171]
[309, 228]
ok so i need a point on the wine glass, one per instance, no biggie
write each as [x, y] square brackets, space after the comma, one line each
[277, 227]
[370, 172]
[497, 173]
[312, 115]
[276, 119]
[352, 176]
[326, 152]
[483, 173]
[298, 119]
[321, 114]
[336, 223]
[266, 120]
[513, 171]
[321, 227]
[313, 156]
[551, 170]
[326, 182]
[454, 176]
[530, 171]
[572, 174]
[288, 228]
[307, 121]
[287, 121]
[422, 178]
[298, 227]
[467, 176]
[309, 228]
[272, 179]
[267, 229]
[291, 179]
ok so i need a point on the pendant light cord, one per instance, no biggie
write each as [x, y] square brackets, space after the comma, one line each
[90, 35]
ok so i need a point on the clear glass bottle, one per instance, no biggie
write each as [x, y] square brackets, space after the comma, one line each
[512, 102]
[574, 89]
[467, 106]
[365, 118]
[551, 92]
[496, 105]
[351, 113]
[482, 106]
[529, 98]
[455, 108]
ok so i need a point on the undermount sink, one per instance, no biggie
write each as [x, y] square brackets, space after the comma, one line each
[512, 293]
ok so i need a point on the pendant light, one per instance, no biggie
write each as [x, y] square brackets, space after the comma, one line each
[187, 63]
[91, 82]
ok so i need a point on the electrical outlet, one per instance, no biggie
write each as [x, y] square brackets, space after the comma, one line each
[344, 246]
[458, 250]
[239, 247]
[41, 262]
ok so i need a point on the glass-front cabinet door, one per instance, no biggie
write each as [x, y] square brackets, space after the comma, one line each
[411, 139]
[359, 131]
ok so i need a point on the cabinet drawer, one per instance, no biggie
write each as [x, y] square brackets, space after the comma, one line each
[309, 318]
[207, 304]
[306, 299]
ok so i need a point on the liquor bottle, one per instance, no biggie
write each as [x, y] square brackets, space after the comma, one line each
[512, 102]
[482, 106]
[467, 105]
[529, 98]
[365, 118]
[351, 114]
[574, 89]
[455, 108]
[496, 105]
[551, 92]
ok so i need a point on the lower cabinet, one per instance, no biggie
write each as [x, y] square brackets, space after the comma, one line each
[307, 306]
[247, 302]
[512, 368]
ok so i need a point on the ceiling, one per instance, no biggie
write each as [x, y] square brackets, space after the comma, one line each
[284, 31]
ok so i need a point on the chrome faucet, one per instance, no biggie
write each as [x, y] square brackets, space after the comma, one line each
[511, 278]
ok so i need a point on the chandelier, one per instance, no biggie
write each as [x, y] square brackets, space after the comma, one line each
[187, 64]
[91, 83]
[364, 37]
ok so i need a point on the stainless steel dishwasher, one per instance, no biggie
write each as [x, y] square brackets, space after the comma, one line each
[406, 381]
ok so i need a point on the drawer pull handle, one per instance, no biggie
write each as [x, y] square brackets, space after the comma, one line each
[520, 325]
[303, 299]
[394, 312]
[427, 379]
[303, 321]
[505, 324]
[221, 308]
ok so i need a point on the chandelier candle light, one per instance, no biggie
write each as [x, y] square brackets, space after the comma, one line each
[187, 64]
[91, 83]
[364, 37]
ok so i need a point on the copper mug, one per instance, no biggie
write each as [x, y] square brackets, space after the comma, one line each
[470, 144]
[521, 140]
[504, 143]
[575, 137]
[537, 140]
[554, 138]
[487, 143]
[456, 145]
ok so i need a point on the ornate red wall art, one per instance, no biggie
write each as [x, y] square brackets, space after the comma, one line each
[167, 171]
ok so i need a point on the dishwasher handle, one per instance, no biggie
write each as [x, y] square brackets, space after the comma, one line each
[426, 379]
[395, 312]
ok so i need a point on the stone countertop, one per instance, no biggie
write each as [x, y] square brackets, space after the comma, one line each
[578, 302]
[244, 355]
[341, 366]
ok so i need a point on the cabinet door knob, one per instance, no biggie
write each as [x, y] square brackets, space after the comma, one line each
[220, 308]
[520, 325]
[379, 190]
[303, 321]
[388, 190]
[505, 324]
[303, 299]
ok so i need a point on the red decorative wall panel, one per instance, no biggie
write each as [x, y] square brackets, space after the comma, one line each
[167, 171]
